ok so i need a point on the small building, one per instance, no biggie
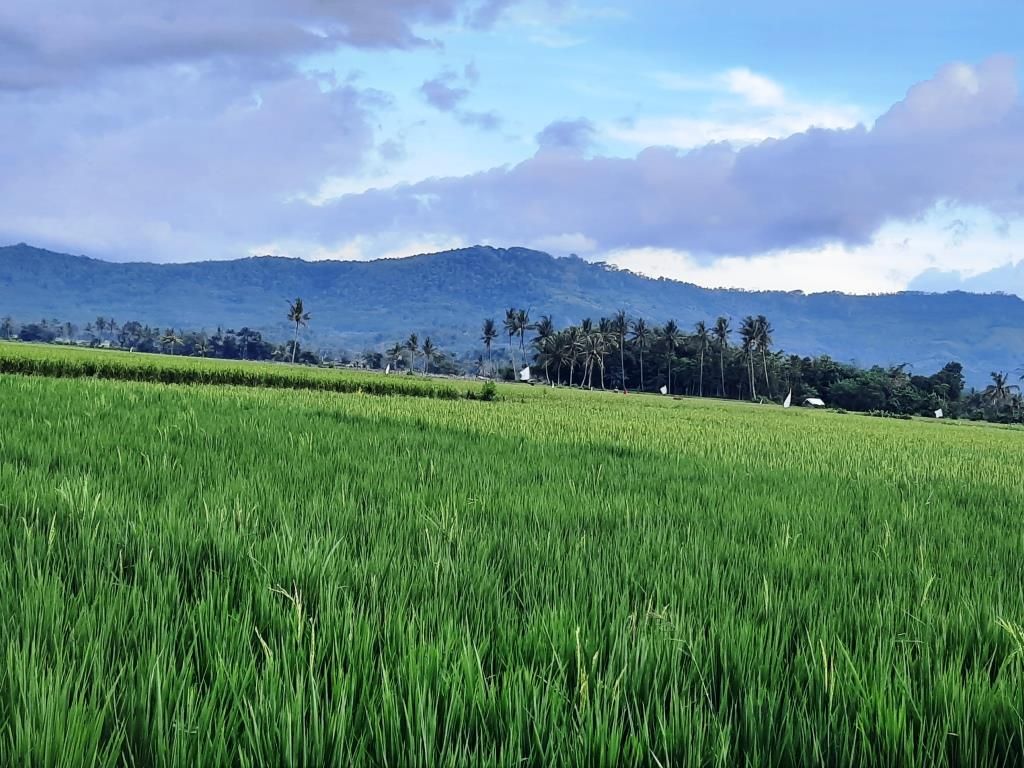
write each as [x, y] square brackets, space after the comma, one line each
[814, 402]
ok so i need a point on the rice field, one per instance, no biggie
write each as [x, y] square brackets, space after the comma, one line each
[224, 575]
[76, 362]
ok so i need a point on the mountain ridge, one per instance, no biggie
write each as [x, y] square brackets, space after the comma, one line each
[359, 304]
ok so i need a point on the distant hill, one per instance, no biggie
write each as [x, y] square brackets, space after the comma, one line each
[372, 304]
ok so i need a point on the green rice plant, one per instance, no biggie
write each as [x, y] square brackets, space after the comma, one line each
[249, 575]
[58, 362]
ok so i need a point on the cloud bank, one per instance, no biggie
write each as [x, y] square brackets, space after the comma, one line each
[958, 138]
[183, 130]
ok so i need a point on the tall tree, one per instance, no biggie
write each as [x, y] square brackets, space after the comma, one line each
[594, 350]
[490, 333]
[671, 339]
[703, 339]
[641, 337]
[574, 348]
[429, 353]
[548, 351]
[721, 334]
[412, 345]
[587, 348]
[620, 324]
[748, 338]
[543, 342]
[511, 326]
[522, 326]
[764, 343]
[7, 328]
[1000, 391]
[606, 340]
[394, 353]
[298, 315]
[170, 339]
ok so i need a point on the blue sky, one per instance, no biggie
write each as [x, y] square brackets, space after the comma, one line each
[798, 145]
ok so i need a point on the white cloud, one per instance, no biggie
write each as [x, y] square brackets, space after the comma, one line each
[754, 88]
[898, 254]
[564, 244]
[749, 107]
[740, 129]
[362, 248]
[758, 90]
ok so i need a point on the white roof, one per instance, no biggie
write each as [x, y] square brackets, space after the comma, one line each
[814, 401]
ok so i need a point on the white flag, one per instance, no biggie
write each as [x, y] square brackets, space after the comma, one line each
[789, 400]
[524, 375]
[387, 370]
[664, 390]
[938, 414]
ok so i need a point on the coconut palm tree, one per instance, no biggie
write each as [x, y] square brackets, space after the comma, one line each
[7, 327]
[548, 351]
[543, 342]
[764, 343]
[586, 350]
[298, 315]
[522, 326]
[573, 350]
[671, 340]
[170, 339]
[749, 335]
[607, 338]
[641, 337]
[511, 326]
[594, 350]
[1000, 391]
[555, 348]
[412, 346]
[620, 325]
[395, 353]
[429, 353]
[703, 339]
[721, 335]
[490, 333]
[545, 327]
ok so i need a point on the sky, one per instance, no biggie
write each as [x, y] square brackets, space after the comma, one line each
[867, 147]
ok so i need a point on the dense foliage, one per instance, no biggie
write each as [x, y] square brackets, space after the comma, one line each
[240, 576]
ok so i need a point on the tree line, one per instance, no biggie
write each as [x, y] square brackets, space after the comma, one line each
[241, 344]
[713, 359]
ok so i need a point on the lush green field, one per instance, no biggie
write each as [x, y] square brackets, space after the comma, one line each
[77, 362]
[199, 575]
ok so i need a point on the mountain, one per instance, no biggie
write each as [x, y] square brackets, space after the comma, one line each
[447, 295]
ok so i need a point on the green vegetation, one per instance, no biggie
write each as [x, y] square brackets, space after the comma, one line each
[236, 576]
[72, 362]
[611, 352]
